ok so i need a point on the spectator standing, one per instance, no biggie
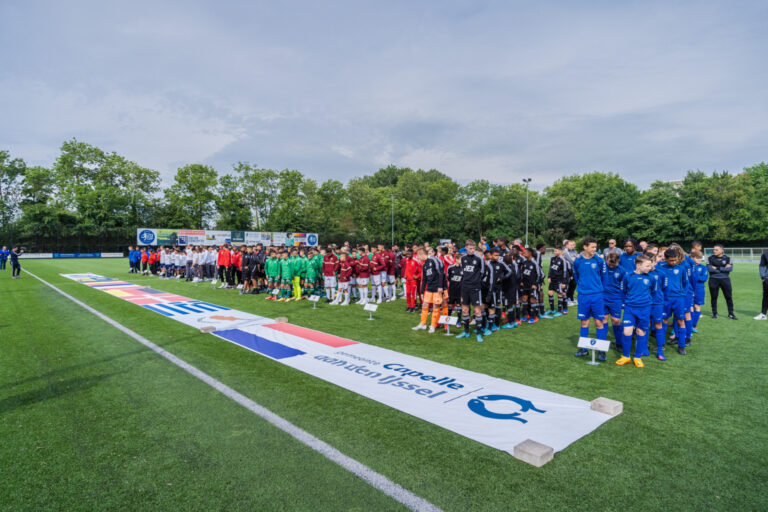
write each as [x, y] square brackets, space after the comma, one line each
[15, 265]
[611, 248]
[570, 254]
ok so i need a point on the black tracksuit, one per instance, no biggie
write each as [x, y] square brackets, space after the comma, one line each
[719, 279]
[764, 277]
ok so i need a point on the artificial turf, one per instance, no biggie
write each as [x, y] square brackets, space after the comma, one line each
[90, 419]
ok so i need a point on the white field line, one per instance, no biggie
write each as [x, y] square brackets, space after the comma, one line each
[360, 470]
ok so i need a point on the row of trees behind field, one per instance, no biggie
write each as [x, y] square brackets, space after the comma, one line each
[90, 199]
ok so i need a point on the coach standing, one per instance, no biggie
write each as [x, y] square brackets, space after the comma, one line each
[720, 267]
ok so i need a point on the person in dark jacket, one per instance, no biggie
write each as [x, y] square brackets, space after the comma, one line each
[764, 278]
[720, 267]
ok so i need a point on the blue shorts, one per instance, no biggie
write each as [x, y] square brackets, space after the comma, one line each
[677, 306]
[613, 306]
[591, 306]
[637, 317]
[699, 297]
[657, 313]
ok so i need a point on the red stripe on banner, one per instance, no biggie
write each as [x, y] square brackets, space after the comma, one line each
[142, 300]
[312, 335]
[173, 298]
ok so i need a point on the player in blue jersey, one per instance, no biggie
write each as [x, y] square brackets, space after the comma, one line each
[638, 292]
[700, 276]
[657, 301]
[674, 283]
[687, 264]
[613, 296]
[4, 254]
[588, 271]
[627, 258]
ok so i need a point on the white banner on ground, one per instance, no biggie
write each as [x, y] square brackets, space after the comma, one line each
[192, 312]
[492, 411]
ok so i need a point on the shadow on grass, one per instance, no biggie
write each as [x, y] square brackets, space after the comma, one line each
[54, 390]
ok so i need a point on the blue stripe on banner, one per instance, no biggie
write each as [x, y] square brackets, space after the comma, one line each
[166, 306]
[203, 305]
[258, 344]
[156, 310]
[208, 304]
[187, 307]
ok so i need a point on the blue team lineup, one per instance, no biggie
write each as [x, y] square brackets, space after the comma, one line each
[642, 290]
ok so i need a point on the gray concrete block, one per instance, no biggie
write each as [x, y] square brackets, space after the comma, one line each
[533, 453]
[207, 329]
[607, 406]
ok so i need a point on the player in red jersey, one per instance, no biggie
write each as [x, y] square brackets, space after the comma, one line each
[330, 267]
[391, 289]
[411, 269]
[345, 274]
[363, 275]
[378, 267]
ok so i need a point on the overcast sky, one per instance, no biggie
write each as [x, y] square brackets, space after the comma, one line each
[496, 90]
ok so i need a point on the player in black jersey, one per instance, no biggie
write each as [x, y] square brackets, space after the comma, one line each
[529, 287]
[560, 272]
[472, 268]
[453, 302]
[510, 287]
[495, 273]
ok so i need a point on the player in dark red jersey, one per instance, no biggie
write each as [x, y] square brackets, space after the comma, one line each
[330, 267]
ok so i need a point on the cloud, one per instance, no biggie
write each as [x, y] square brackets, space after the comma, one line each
[159, 130]
[477, 90]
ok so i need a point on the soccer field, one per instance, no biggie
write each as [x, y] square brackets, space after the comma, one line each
[91, 419]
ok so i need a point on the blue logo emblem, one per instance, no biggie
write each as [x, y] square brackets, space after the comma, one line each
[312, 239]
[146, 237]
[477, 406]
[593, 341]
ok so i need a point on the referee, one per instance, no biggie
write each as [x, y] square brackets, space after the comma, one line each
[720, 267]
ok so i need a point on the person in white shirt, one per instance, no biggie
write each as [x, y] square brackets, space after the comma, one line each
[190, 261]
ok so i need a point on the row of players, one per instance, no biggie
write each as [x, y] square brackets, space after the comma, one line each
[511, 285]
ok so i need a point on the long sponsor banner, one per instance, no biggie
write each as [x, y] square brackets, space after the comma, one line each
[151, 236]
[492, 411]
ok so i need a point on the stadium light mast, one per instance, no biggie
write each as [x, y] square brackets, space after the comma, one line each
[392, 196]
[526, 181]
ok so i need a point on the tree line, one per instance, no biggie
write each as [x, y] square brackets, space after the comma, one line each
[89, 200]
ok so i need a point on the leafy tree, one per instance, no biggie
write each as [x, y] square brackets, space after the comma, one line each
[560, 221]
[260, 187]
[602, 203]
[11, 179]
[286, 214]
[232, 205]
[657, 215]
[190, 201]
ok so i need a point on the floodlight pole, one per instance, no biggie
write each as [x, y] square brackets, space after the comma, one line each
[526, 181]
[393, 218]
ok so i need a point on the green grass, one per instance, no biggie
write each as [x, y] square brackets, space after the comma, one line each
[89, 418]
